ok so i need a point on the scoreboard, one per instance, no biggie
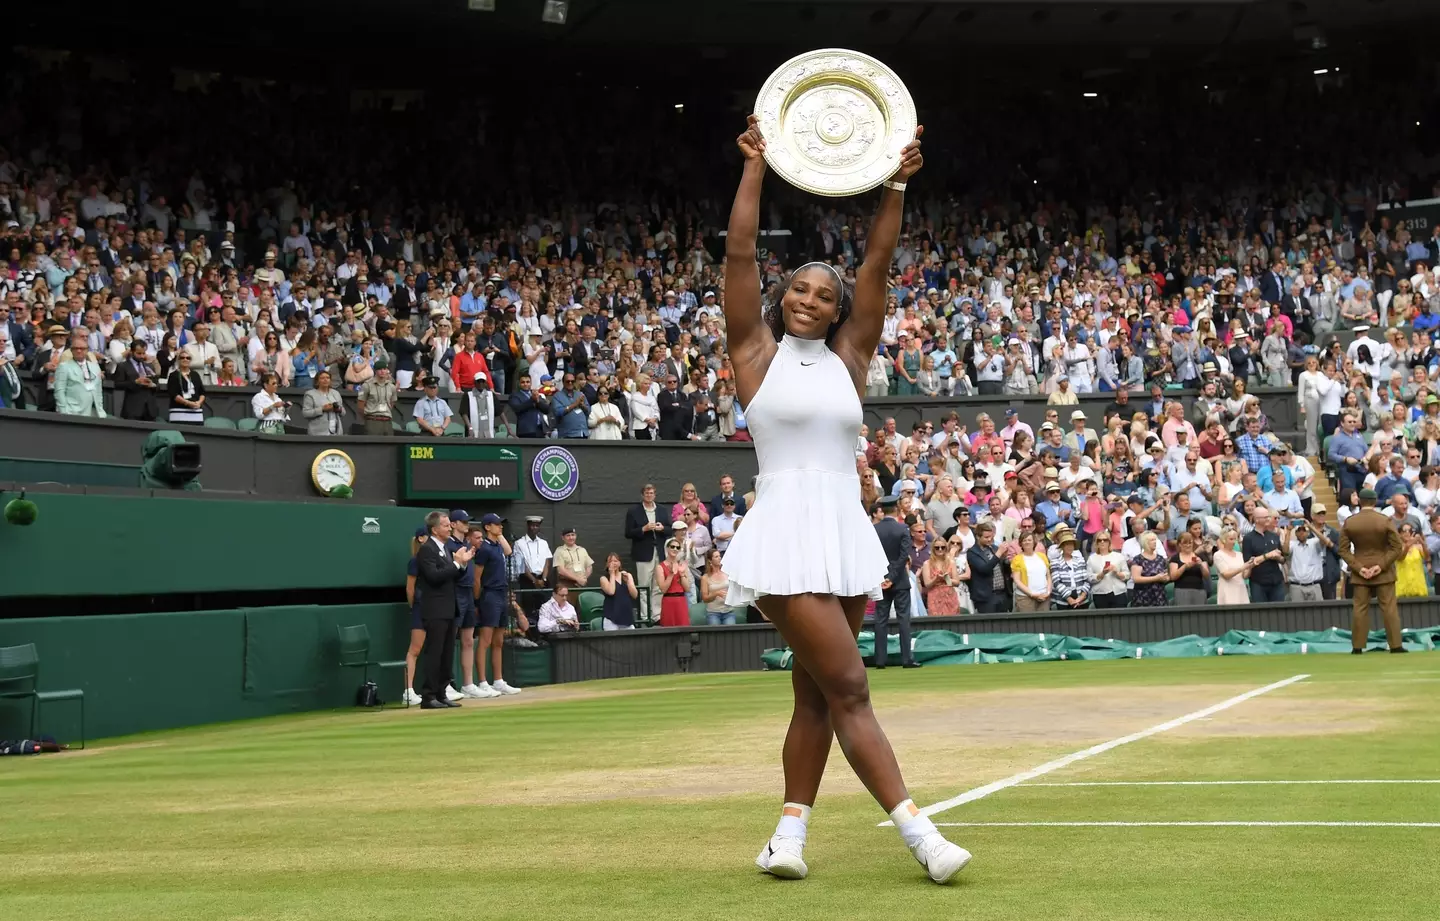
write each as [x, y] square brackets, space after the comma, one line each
[460, 471]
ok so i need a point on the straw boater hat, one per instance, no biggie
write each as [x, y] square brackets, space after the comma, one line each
[1063, 535]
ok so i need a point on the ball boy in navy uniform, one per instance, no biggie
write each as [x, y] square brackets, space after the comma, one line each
[493, 611]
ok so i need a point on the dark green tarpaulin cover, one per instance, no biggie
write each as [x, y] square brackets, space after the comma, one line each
[942, 647]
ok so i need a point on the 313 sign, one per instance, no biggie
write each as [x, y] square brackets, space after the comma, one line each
[464, 471]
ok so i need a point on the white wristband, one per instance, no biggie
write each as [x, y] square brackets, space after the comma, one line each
[897, 186]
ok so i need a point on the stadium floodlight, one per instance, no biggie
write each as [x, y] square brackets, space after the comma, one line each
[555, 12]
[679, 107]
[1322, 70]
[1091, 95]
[482, 6]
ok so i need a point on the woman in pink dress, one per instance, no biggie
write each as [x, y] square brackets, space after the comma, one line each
[1233, 570]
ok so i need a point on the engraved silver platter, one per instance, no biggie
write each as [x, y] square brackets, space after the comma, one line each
[835, 121]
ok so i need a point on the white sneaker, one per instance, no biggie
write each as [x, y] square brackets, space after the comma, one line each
[782, 857]
[472, 690]
[941, 859]
[486, 691]
[451, 693]
[504, 688]
[410, 698]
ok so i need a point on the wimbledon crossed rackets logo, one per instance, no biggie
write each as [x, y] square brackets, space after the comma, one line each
[555, 473]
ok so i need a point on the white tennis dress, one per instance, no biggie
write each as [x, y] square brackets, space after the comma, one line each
[807, 531]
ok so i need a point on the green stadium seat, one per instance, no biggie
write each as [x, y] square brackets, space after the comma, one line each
[20, 680]
[697, 614]
[595, 623]
[355, 652]
[502, 430]
[454, 430]
[248, 425]
[220, 422]
[395, 426]
[590, 603]
[412, 427]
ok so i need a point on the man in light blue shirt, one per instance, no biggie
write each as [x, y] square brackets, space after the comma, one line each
[472, 305]
[1347, 452]
[572, 410]
[431, 412]
[1054, 510]
[1285, 502]
[944, 359]
[1393, 482]
[1267, 474]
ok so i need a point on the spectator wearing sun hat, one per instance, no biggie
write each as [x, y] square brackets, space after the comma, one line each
[1080, 435]
[1056, 510]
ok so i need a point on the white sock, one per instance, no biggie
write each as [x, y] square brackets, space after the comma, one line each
[913, 826]
[795, 826]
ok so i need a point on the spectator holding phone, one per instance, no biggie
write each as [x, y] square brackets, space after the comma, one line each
[269, 408]
[557, 615]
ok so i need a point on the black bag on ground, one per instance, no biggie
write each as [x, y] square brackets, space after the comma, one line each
[368, 695]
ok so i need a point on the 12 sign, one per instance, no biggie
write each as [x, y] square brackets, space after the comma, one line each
[555, 473]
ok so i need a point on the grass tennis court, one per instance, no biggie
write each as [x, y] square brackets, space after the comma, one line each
[648, 798]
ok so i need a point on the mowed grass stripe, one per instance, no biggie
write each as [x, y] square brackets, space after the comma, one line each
[365, 815]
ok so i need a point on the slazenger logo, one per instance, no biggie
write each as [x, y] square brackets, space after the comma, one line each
[370, 526]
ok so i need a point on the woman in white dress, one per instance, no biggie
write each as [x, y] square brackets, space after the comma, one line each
[808, 555]
[1308, 389]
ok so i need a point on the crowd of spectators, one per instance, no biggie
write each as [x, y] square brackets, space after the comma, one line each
[591, 306]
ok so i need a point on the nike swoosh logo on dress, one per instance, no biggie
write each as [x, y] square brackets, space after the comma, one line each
[806, 364]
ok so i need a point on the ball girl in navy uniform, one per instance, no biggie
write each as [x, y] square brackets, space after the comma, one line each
[808, 556]
[417, 629]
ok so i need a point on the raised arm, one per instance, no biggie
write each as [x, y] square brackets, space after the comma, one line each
[751, 343]
[856, 339]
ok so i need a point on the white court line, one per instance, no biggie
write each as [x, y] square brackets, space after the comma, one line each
[981, 792]
[1212, 783]
[1188, 824]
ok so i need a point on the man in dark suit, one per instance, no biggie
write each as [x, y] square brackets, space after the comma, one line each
[132, 378]
[16, 332]
[586, 350]
[530, 408]
[895, 539]
[675, 414]
[1272, 284]
[646, 525]
[727, 491]
[440, 569]
[1370, 546]
[1296, 306]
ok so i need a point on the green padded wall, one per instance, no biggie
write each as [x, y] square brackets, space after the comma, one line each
[158, 546]
[75, 473]
[158, 671]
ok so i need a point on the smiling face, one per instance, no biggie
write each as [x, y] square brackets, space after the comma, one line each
[811, 305]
